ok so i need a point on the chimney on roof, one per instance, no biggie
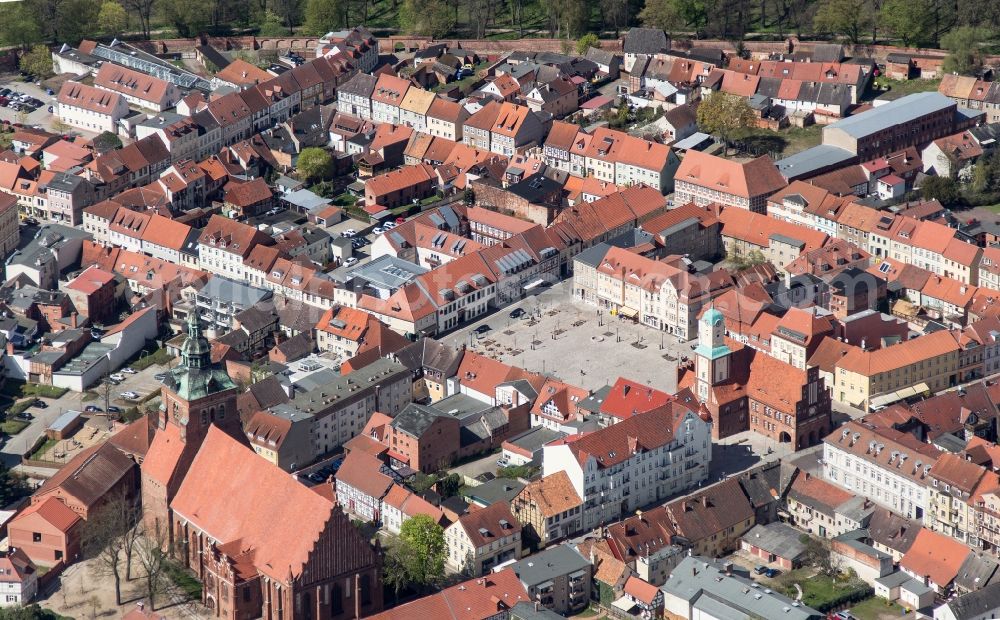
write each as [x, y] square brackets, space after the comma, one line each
[73, 319]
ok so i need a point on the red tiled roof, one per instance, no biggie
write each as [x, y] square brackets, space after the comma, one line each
[750, 179]
[935, 556]
[53, 511]
[476, 599]
[250, 517]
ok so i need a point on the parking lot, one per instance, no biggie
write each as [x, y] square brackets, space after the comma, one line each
[40, 116]
[575, 342]
[142, 383]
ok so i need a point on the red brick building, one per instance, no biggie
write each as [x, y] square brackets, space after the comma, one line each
[400, 186]
[231, 518]
[787, 404]
[93, 295]
[420, 437]
[48, 532]
[196, 395]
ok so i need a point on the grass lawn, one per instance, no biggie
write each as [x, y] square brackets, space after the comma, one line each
[184, 580]
[20, 389]
[13, 427]
[819, 591]
[993, 208]
[20, 407]
[159, 356]
[40, 451]
[875, 608]
[900, 87]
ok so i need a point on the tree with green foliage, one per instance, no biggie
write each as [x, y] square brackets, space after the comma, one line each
[661, 14]
[30, 612]
[322, 16]
[695, 13]
[432, 18]
[449, 485]
[986, 174]
[314, 164]
[111, 19]
[18, 26]
[12, 486]
[270, 25]
[189, 17]
[942, 189]
[37, 61]
[567, 18]
[586, 42]
[912, 21]
[107, 141]
[965, 56]
[423, 550]
[725, 115]
[741, 262]
[849, 18]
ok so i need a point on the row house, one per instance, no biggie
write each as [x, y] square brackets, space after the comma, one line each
[955, 487]
[929, 362]
[973, 93]
[780, 242]
[414, 107]
[224, 244]
[388, 97]
[888, 466]
[354, 97]
[661, 294]
[636, 462]
[706, 179]
[445, 119]
[482, 539]
[184, 185]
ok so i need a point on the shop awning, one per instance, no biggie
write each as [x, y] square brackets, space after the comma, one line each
[628, 312]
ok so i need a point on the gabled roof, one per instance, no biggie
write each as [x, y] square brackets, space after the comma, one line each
[250, 520]
[936, 556]
[758, 177]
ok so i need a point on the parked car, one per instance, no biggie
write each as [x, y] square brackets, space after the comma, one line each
[517, 313]
[350, 260]
[130, 395]
[378, 230]
[315, 477]
[41, 404]
[760, 569]
[502, 462]
[24, 415]
[93, 409]
[771, 573]
[400, 219]
[4, 92]
[350, 233]
[482, 329]
[113, 409]
[117, 377]
[160, 376]
[357, 244]
[844, 614]
[128, 370]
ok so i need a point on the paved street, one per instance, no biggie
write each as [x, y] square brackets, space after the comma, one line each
[575, 342]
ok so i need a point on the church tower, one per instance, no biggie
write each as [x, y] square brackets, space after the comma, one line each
[195, 395]
[712, 355]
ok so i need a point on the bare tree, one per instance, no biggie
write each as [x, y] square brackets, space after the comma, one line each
[105, 535]
[143, 10]
[153, 558]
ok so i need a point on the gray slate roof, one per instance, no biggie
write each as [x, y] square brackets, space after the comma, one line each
[549, 564]
[703, 584]
[976, 604]
[645, 41]
[898, 112]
